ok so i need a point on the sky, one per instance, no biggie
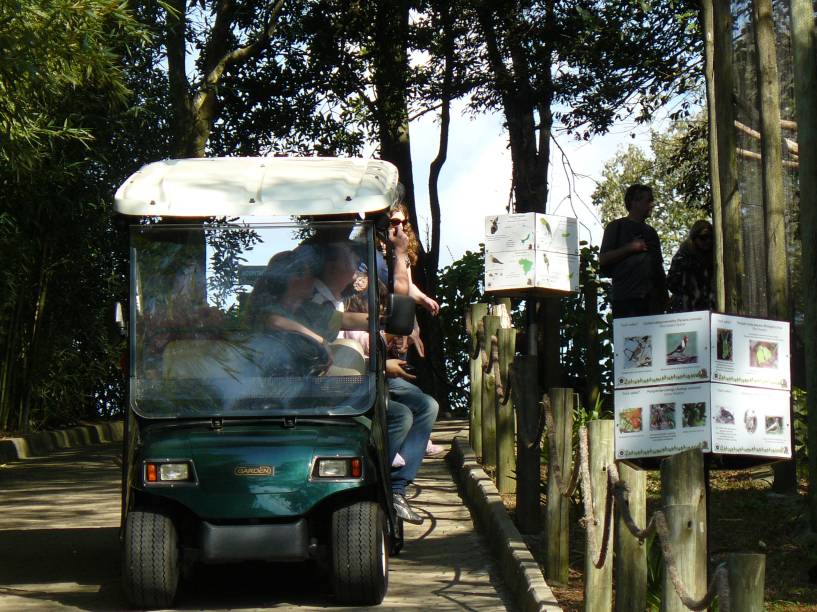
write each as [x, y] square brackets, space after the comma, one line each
[476, 178]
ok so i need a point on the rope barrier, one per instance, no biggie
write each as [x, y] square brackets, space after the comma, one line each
[490, 365]
[617, 492]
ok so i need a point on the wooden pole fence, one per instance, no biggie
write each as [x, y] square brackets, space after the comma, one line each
[474, 315]
[505, 430]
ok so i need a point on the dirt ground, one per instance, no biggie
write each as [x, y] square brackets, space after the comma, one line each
[744, 516]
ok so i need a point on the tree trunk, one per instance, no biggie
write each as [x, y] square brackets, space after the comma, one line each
[433, 255]
[731, 230]
[805, 90]
[390, 70]
[180, 102]
[774, 202]
[708, 27]
[530, 156]
[194, 112]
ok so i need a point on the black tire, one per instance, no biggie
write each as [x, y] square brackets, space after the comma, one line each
[360, 554]
[150, 560]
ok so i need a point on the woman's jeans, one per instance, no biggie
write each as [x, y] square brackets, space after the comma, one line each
[411, 416]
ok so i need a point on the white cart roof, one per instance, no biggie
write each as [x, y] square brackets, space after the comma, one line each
[267, 186]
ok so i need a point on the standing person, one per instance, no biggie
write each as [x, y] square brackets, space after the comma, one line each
[631, 254]
[691, 271]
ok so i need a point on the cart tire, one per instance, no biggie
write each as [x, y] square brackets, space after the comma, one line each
[150, 560]
[360, 554]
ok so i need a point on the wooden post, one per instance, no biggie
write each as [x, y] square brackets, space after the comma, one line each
[804, 49]
[475, 313]
[630, 554]
[598, 583]
[731, 236]
[774, 202]
[549, 317]
[683, 497]
[747, 575]
[592, 343]
[525, 393]
[714, 179]
[505, 434]
[562, 402]
[771, 138]
[502, 309]
[489, 399]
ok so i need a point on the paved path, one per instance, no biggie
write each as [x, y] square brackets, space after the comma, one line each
[59, 518]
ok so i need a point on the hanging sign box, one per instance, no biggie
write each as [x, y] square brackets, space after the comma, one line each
[704, 380]
[531, 254]
[531, 232]
[510, 271]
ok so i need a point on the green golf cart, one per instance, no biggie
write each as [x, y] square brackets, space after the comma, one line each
[254, 430]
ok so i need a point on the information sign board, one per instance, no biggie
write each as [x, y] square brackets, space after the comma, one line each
[702, 380]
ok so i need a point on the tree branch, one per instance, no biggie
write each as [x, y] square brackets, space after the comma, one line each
[246, 52]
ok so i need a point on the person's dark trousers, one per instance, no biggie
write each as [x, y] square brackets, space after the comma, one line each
[411, 417]
[636, 307]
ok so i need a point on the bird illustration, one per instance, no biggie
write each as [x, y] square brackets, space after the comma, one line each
[680, 348]
[640, 351]
[494, 225]
[495, 260]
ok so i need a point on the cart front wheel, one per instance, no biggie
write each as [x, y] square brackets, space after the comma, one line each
[150, 560]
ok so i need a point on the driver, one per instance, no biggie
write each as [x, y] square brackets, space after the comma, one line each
[282, 296]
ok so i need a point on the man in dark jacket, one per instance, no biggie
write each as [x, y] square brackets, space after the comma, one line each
[631, 255]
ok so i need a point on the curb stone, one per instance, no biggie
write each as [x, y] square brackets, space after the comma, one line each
[44, 442]
[519, 569]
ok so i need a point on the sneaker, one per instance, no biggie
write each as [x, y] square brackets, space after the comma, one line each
[434, 450]
[403, 510]
[398, 461]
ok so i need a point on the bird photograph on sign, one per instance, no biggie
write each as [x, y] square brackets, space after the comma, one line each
[638, 352]
[682, 348]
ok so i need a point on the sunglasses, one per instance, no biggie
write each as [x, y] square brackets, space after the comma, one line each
[704, 236]
[396, 222]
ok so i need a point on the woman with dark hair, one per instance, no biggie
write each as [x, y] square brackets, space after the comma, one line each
[398, 216]
[691, 271]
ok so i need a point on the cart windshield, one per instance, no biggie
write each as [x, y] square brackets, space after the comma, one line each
[238, 319]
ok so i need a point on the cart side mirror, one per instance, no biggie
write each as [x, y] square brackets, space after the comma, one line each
[399, 319]
[119, 319]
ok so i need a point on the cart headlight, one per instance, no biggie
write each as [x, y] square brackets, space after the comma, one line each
[337, 467]
[168, 472]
